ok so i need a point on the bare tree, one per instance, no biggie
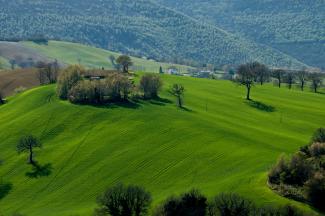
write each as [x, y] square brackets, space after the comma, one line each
[302, 76]
[279, 74]
[27, 144]
[178, 91]
[262, 73]
[125, 61]
[290, 79]
[150, 84]
[316, 81]
[246, 74]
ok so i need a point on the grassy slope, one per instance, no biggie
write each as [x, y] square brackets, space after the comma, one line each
[227, 147]
[92, 57]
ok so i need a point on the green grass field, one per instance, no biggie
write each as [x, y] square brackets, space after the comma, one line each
[91, 57]
[220, 144]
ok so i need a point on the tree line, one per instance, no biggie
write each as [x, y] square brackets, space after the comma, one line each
[132, 200]
[254, 72]
[115, 87]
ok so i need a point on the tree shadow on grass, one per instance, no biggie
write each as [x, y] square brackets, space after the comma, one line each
[186, 109]
[261, 106]
[5, 189]
[160, 101]
[39, 170]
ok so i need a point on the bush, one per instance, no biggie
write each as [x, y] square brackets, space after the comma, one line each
[192, 203]
[150, 84]
[315, 191]
[231, 205]
[295, 172]
[123, 200]
[319, 136]
[317, 149]
[286, 210]
[20, 89]
[67, 79]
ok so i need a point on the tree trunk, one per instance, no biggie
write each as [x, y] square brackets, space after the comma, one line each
[279, 83]
[248, 92]
[302, 85]
[31, 155]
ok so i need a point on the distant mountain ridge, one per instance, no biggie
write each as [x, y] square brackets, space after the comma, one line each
[142, 28]
[295, 27]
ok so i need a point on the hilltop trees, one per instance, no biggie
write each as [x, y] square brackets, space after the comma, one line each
[48, 72]
[67, 79]
[121, 200]
[178, 91]
[125, 61]
[247, 74]
[27, 144]
[150, 84]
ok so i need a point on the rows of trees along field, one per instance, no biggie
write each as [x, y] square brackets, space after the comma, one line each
[251, 73]
[131, 200]
[294, 27]
[140, 28]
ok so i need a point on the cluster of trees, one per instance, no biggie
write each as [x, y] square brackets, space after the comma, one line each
[121, 200]
[250, 73]
[48, 72]
[115, 87]
[302, 176]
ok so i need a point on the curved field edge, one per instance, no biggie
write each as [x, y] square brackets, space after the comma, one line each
[221, 144]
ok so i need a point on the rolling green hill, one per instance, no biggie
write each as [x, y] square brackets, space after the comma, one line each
[219, 144]
[140, 28]
[91, 57]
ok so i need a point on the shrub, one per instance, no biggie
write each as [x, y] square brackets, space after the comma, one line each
[317, 149]
[294, 172]
[123, 200]
[287, 210]
[20, 89]
[319, 136]
[192, 203]
[150, 84]
[276, 171]
[315, 190]
[231, 205]
[68, 78]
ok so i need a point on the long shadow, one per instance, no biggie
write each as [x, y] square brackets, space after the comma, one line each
[261, 106]
[113, 105]
[160, 101]
[5, 189]
[39, 170]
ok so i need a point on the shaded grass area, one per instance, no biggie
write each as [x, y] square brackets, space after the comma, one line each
[261, 106]
[220, 145]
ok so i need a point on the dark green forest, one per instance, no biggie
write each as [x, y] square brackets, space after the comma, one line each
[140, 28]
[295, 27]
